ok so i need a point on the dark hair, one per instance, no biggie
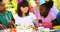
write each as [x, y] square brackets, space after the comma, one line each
[24, 3]
[48, 5]
[0, 0]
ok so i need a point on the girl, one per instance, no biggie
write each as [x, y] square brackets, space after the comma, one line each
[36, 9]
[46, 15]
[24, 18]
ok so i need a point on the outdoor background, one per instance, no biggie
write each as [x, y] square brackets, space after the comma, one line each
[11, 5]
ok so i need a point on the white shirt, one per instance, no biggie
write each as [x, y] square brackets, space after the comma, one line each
[25, 21]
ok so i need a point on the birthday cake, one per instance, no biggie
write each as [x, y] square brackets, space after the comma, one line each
[24, 29]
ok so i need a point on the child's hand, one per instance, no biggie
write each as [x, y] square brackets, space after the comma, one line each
[10, 22]
[2, 26]
[40, 24]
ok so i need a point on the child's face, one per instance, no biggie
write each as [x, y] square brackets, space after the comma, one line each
[24, 9]
[43, 11]
[2, 6]
[36, 1]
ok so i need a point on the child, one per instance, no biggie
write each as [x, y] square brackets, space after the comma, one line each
[5, 16]
[24, 18]
[46, 15]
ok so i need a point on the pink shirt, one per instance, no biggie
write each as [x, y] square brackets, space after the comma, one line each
[51, 16]
[36, 12]
[54, 10]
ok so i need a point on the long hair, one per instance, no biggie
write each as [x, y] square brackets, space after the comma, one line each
[24, 3]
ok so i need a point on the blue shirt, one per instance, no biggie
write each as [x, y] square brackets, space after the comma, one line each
[58, 17]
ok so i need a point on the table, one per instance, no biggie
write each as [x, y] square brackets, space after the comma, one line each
[14, 30]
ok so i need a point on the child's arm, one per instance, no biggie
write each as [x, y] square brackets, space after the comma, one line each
[36, 24]
[13, 19]
[2, 26]
[54, 22]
